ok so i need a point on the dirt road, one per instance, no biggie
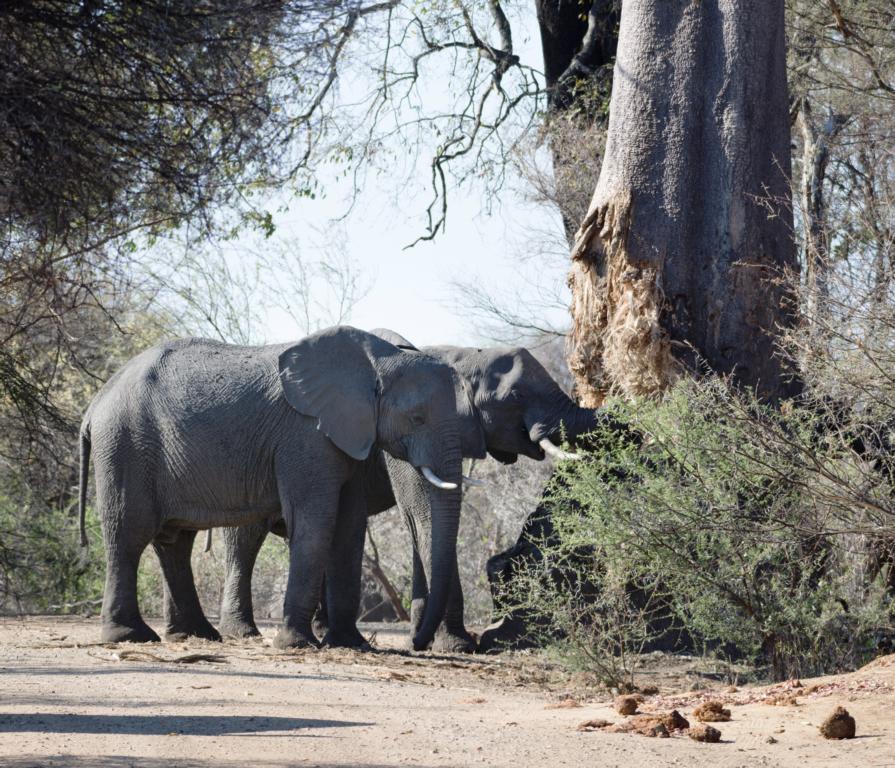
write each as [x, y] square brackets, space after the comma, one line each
[67, 701]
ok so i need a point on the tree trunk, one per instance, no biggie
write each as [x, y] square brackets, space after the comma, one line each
[815, 157]
[677, 264]
[578, 52]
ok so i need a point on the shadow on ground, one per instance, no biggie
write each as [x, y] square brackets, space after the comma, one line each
[162, 725]
[129, 761]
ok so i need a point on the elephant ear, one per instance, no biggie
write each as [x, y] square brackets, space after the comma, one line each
[472, 434]
[394, 338]
[331, 377]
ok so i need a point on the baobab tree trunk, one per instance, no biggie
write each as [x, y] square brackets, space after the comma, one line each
[677, 264]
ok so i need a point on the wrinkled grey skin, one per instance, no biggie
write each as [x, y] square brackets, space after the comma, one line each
[196, 434]
[517, 402]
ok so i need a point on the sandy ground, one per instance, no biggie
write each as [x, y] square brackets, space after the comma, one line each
[66, 700]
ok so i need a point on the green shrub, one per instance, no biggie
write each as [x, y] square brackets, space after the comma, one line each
[748, 527]
[43, 568]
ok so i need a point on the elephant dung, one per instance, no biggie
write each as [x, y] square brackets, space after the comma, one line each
[839, 725]
[705, 733]
[627, 705]
[711, 712]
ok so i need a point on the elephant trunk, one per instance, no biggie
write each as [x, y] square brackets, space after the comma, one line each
[575, 421]
[579, 421]
[437, 542]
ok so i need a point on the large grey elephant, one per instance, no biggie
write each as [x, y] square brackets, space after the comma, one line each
[521, 409]
[196, 434]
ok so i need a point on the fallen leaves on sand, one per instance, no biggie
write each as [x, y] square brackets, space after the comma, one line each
[564, 704]
[657, 725]
[593, 725]
[781, 700]
[189, 658]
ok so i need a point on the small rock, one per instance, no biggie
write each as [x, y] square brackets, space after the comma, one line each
[839, 725]
[770, 740]
[705, 733]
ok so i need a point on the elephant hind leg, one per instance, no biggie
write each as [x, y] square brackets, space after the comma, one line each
[184, 616]
[241, 546]
[121, 617]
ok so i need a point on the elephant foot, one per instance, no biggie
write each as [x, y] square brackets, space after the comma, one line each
[139, 632]
[320, 627]
[289, 637]
[454, 641]
[232, 626]
[346, 638]
[201, 629]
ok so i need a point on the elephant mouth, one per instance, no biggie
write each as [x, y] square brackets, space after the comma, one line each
[547, 443]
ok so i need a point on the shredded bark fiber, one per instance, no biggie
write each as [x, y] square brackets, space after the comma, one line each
[658, 725]
[617, 338]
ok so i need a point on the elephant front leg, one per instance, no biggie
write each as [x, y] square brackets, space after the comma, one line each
[452, 636]
[184, 616]
[241, 546]
[343, 571]
[311, 520]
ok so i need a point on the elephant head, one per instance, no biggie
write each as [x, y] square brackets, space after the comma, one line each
[365, 391]
[521, 407]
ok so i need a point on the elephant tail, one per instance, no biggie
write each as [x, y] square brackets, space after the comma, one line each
[82, 487]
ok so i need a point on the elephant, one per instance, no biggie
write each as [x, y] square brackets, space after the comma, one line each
[521, 410]
[195, 434]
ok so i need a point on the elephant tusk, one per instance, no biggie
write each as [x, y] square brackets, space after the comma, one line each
[208, 540]
[473, 481]
[558, 453]
[436, 480]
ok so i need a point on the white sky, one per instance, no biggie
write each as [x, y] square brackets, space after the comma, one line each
[411, 290]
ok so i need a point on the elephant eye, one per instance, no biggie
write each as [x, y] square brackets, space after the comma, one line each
[417, 419]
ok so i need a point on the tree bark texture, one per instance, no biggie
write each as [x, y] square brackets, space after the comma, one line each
[677, 264]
